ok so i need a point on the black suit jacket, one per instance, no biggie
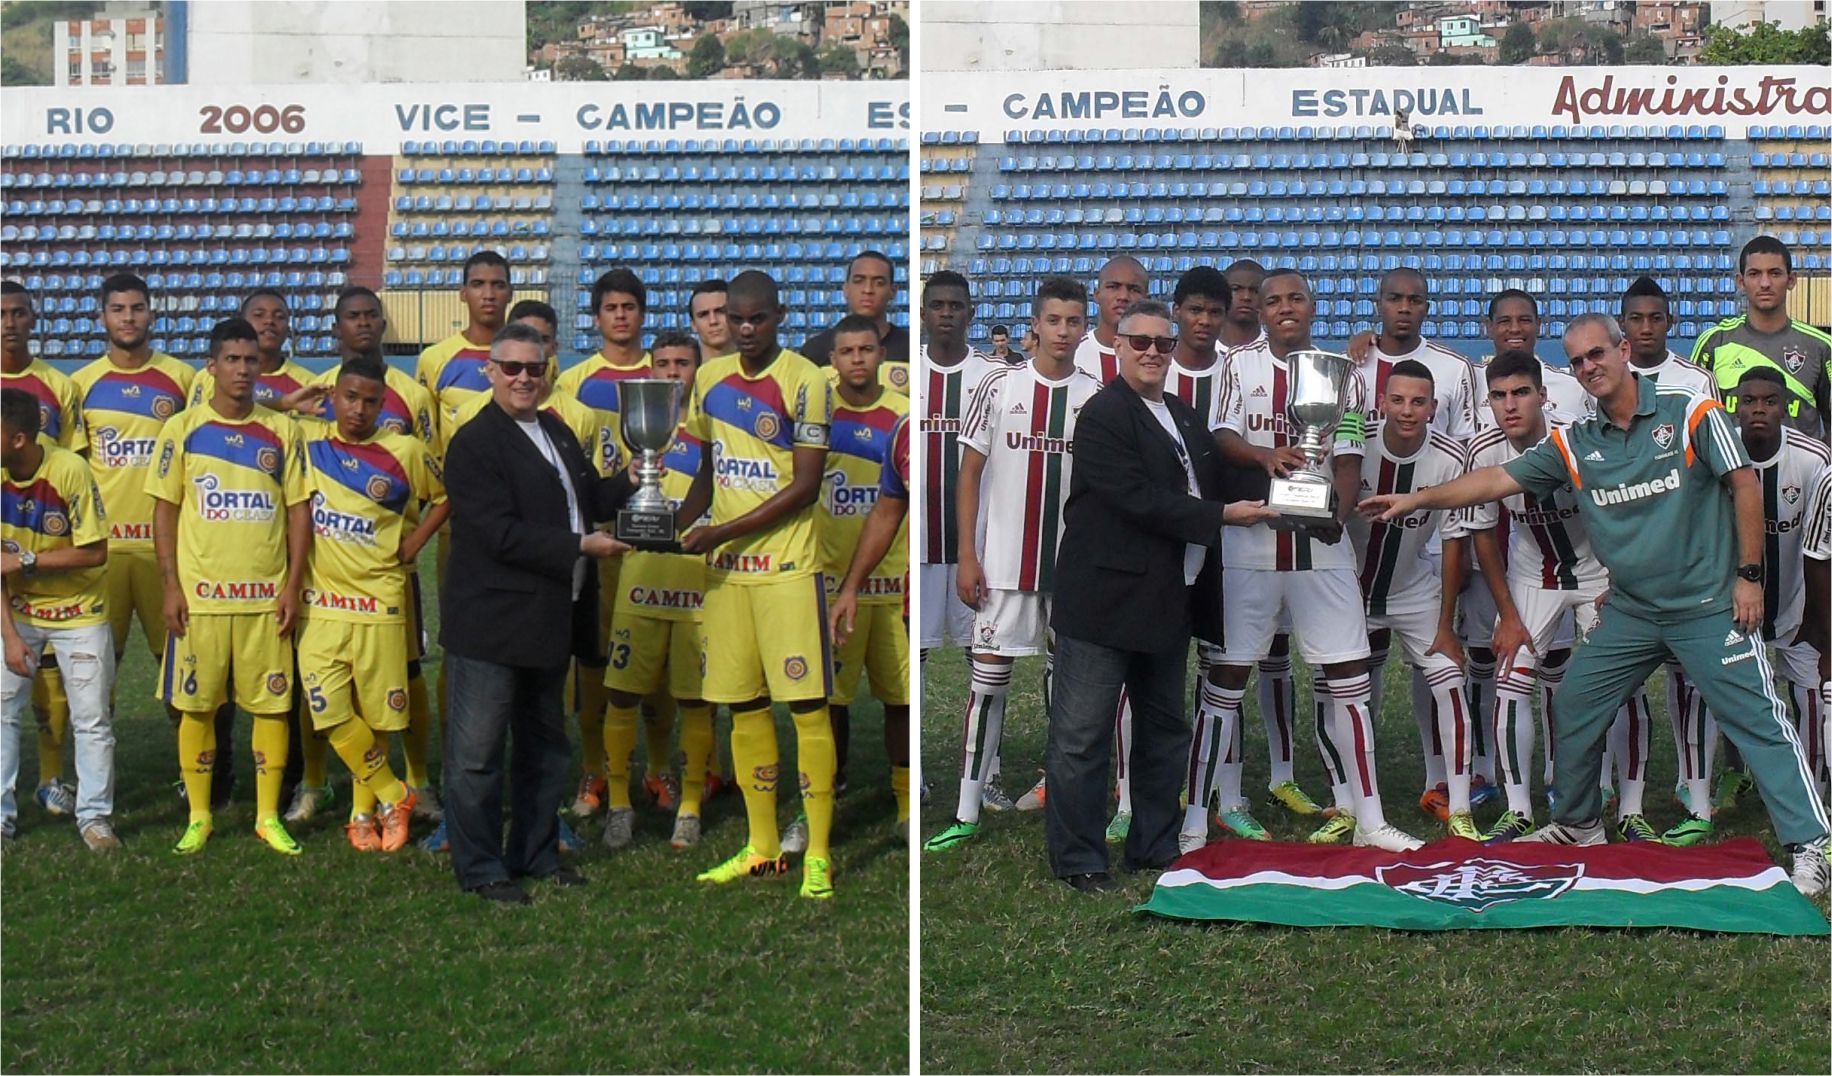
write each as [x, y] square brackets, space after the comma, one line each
[508, 585]
[1129, 517]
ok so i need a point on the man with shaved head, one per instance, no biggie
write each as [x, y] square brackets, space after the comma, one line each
[1121, 283]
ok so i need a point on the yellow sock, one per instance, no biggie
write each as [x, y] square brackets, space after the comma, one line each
[696, 753]
[367, 757]
[315, 773]
[658, 733]
[754, 757]
[814, 753]
[900, 788]
[418, 739]
[590, 692]
[52, 709]
[619, 742]
[196, 756]
[269, 763]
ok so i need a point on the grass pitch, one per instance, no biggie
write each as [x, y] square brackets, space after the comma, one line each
[1020, 973]
[243, 960]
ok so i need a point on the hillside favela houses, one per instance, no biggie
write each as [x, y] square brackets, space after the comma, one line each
[737, 40]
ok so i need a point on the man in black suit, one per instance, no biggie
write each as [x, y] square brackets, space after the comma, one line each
[1137, 573]
[519, 603]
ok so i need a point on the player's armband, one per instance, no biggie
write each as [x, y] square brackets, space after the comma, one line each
[812, 434]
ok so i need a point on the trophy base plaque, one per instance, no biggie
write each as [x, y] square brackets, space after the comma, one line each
[1302, 501]
[651, 530]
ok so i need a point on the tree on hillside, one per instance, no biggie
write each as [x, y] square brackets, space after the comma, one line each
[579, 69]
[1518, 45]
[1767, 44]
[837, 59]
[707, 58]
[1392, 56]
[900, 40]
[1645, 49]
[707, 10]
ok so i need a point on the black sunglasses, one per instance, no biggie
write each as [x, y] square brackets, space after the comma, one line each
[1164, 344]
[519, 369]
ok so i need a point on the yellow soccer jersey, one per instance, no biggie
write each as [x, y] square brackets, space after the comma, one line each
[584, 423]
[232, 482]
[752, 426]
[407, 408]
[452, 371]
[894, 376]
[365, 499]
[861, 444]
[594, 384]
[60, 410]
[55, 507]
[667, 586]
[123, 412]
[268, 388]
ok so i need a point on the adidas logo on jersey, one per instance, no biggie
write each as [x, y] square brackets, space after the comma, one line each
[1018, 409]
[1258, 391]
[1595, 456]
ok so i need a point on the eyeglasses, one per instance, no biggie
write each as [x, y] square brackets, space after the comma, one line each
[522, 369]
[1593, 355]
[1164, 344]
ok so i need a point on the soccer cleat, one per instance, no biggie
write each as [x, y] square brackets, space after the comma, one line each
[1339, 828]
[746, 864]
[426, 804]
[436, 841]
[308, 801]
[817, 879]
[1119, 827]
[195, 835]
[1388, 837]
[1810, 873]
[664, 790]
[1732, 787]
[1436, 802]
[1462, 825]
[1511, 826]
[569, 842]
[1189, 842]
[362, 834]
[1481, 791]
[1633, 828]
[57, 798]
[592, 793]
[686, 831]
[99, 835]
[1293, 798]
[619, 827]
[956, 834]
[1689, 831]
[715, 784]
[795, 838]
[1032, 800]
[272, 833]
[993, 798]
[1590, 833]
[1242, 824]
[394, 820]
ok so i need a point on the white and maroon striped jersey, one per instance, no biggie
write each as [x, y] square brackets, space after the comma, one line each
[1548, 547]
[1787, 478]
[1255, 388]
[1564, 394]
[1397, 571]
[1198, 388]
[1453, 382]
[1097, 360]
[1024, 424]
[1674, 370]
[1816, 524]
[944, 401]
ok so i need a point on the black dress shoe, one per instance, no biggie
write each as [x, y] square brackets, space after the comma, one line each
[1100, 882]
[503, 892]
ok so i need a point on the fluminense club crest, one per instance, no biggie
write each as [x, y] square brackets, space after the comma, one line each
[1663, 435]
[1793, 358]
[1479, 884]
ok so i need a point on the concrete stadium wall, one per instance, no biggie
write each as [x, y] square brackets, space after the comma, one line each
[1031, 35]
[234, 42]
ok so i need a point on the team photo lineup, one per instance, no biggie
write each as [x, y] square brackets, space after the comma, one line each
[262, 524]
[1534, 543]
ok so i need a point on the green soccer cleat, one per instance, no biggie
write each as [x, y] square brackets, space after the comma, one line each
[272, 833]
[1691, 830]
[1460, 824]
[1338, 830]
[1289, 796]
[195, 836]
[1242, 824]
[1119, 827]
[957, 834]
[817, 880]
[1732, 787]
[1634, 827]
[1511, 826]
[309, 801]
[746, 864]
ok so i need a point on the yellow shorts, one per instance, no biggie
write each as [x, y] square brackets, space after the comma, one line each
[415, 636]
[131, 587]
[648, 653]
[879, 647]
[194, 676]
[350, 668]
[766, 640]
[610, 570]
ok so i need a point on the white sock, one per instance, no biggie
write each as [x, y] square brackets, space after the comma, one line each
[1377, 681]
[1694, 761]
[1632, 753]
[1218, 712]
[1551, 675]
[1425, 704]
[1805, 701]
[1122, 751]
[1355, 732]
[1278, 703]
[1228, 774]
[985, 725]
[1330, 746]
[1452, 731]
[1514, 728]
[1479, 692]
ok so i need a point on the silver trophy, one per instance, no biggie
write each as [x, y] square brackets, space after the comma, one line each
[651, 409]
[1320, 395]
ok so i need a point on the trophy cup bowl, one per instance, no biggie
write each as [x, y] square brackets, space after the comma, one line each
[1319, 397]
[651, 410]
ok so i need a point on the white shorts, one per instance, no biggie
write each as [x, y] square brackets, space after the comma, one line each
[1415, 624]
[945, 618]
[1013, 624]
[1799, 664]
[1476, 617]
[1549, 614]
[1325, 607]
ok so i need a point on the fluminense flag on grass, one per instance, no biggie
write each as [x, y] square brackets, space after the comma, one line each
[1460, 885]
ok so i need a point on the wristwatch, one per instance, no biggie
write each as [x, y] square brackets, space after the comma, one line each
[1750, 572]
[28, 562]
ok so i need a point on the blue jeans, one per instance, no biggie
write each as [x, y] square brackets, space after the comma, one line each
[1084, 697]
[486, 704]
